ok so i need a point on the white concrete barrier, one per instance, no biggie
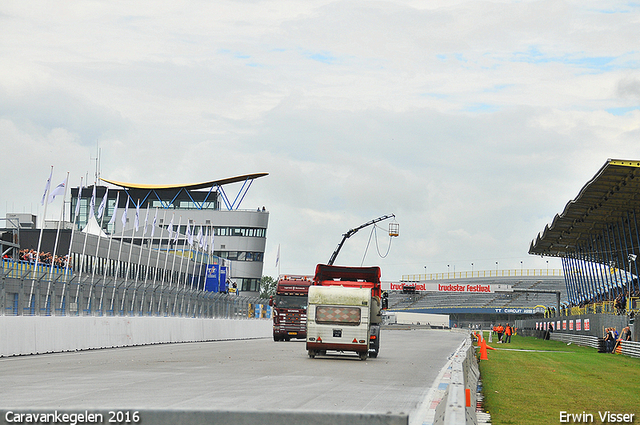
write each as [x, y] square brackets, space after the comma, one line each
[20, 335]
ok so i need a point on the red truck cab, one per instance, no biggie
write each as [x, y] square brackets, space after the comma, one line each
[290, 307]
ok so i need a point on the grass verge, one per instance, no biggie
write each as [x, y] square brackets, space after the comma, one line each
[533, 387]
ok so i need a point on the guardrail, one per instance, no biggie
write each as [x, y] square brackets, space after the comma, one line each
[482, 273]
[458, 405]
[43, 292]
[585, 340]
[628, 348]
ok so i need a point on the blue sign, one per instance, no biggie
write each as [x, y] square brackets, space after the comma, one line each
[212, 282]
[223, 279]
[216, 278]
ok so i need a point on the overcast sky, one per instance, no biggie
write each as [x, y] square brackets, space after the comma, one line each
[473, 122]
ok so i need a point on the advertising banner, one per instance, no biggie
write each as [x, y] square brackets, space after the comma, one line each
[444, 287]
[223, 279]
[212, 281]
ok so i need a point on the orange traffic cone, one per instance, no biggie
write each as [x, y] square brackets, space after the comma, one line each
[483, 351]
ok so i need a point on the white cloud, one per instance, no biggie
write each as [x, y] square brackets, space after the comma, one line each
[474, 122]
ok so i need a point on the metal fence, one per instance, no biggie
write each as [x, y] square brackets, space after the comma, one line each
[48, 291]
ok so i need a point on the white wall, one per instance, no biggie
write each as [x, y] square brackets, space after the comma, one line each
[36, 334]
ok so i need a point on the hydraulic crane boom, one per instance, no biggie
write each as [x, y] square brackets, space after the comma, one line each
[351, 232]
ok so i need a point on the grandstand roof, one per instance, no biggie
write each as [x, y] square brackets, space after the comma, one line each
[609, 197]
[191, 186]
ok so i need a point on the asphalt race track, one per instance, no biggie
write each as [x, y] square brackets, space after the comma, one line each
[244, 375]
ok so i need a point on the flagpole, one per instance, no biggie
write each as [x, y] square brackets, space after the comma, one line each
[193, 272]
[166, 259]
[146, 275]
[174, 262]
[84, 249]
[45, 198]
[209, 249]
[186, 273]
[106, 268]
[135, 285]
[73, 228]
[157, 271]
[126, 278]
[202, 247]
[101, 213]
[113, 294]
[55, 245]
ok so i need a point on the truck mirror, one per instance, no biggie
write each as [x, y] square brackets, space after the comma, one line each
[271, 302]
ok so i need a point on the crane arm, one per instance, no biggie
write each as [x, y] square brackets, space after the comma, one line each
[350, 233]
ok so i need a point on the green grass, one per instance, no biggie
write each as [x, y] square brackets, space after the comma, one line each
[522, 387]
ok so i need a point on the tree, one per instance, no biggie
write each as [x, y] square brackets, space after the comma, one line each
[267, 286]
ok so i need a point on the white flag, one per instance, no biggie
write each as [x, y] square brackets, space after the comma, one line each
[103, 204]
[146, 220]
[136, 222]
[92, 203]
[46, 187]
[59, 190]
[189, 235]
[170, 228]
[200, 238]
[124, 214]
[153, 226]
[115, 209]
[204, 241]
[78, 202]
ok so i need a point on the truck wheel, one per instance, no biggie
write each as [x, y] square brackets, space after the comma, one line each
[363, 355]
[312, 354]
[373, 354]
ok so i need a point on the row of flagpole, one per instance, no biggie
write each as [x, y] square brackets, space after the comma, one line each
[204, 245]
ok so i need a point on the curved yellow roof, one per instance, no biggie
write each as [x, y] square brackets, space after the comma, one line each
[191, 186]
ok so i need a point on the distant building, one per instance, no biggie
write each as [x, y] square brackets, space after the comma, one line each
[239, 235]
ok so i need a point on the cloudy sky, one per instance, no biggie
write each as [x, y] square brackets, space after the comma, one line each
[474, 122]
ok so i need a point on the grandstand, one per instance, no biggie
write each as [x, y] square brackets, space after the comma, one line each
[484, 308]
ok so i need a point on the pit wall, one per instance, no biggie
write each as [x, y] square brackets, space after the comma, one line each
[596, 325]
[22, 335]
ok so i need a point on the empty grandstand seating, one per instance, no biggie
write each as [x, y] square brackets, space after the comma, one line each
[432, 300]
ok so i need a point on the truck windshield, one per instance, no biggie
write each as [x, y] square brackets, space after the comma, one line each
[291, 301]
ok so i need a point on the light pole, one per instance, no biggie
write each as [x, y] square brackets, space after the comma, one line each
[632, 258]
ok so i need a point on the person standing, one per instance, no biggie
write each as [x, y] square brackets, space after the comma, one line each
[500, 332]
[507, 333]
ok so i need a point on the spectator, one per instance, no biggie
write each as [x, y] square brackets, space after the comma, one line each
[608, 340]
[625, 335]
[549, 331]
